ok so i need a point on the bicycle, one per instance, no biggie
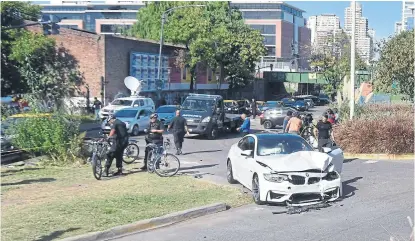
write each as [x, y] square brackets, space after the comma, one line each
[100, 148]
[307, 134]
[131, 152]
[158, 160]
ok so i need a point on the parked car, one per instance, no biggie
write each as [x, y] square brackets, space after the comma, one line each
[288, 102]
[324, 99]
[127, 102]
[136, 119]
[309, 102]
[237, 106]
[166, 113]
[274, 117]
[300, 105]
[268, 105]
[284, 169]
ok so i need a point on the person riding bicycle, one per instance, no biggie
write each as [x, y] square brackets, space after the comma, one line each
[155, 136]
[119, 135]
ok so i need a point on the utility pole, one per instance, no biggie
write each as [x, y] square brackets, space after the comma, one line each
[352, 59]
[413, 15]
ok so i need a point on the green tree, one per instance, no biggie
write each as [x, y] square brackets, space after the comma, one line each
[333, 61]
[396, 65]
[215, 36]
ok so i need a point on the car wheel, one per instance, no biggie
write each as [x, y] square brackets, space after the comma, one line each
[256, 193]
[267, 124]
[229, 173]
[136, 130]
[213, 134]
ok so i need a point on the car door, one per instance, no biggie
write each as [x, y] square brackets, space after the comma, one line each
[237, 158]
[247, 167]
[142, 123]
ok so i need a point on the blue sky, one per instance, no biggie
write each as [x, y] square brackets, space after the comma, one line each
[382, 15]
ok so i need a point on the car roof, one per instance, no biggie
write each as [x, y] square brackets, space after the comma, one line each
[133, 108]
[132, 98]
[175, 106]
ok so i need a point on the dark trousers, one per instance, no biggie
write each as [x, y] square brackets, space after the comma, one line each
[253, 114]
[148, 149]
[178, 139]
[324, 143]
[116, 151]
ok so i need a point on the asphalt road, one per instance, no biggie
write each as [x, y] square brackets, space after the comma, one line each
[379, 195]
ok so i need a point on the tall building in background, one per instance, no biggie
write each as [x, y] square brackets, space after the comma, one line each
[323, 28]
[398, 27]
[105, 17]
[284, 29]
[407, 15]
[364, 43]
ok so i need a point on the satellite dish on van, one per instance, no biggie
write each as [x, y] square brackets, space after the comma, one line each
[132, 84]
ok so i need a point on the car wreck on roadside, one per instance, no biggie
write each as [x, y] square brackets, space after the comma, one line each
[285, 169]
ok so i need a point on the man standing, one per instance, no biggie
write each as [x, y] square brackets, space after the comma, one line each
[155, 136]
[325, 133]
[253, 108]
[97, 107]
[246, 125]
[285, 121]
[120, 142]
[294, 125]
[179, 126]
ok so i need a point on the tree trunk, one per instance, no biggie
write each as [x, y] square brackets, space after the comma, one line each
[193, 79]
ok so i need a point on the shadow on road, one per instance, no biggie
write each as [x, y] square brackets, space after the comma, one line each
[349, 160]
[348, 190]
[197, 167]
[195, 152]
[55, 234]
[30, 181]
[13, 171]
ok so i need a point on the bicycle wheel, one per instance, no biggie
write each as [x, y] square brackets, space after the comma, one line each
[167, 165]
[150, 162]
[96, 167]
[131, 153]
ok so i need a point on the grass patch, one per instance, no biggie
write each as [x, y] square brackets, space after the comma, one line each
[52, 203]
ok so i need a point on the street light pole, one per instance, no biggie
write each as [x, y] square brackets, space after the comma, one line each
[163, 20]
[352, 59]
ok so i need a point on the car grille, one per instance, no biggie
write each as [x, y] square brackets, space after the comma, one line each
[313, 180]
[297, 180]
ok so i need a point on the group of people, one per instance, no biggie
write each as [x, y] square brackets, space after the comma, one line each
[119, 134]
[323, 130]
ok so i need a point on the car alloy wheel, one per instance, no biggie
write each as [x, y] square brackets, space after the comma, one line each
[229, 173]
[267, 125]
[136, 130]
[256, 193]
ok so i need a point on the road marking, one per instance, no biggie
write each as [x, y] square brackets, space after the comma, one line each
[189, 162]
[370, 162]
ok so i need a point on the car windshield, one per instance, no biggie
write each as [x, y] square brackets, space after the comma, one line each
[324, 96]
[166, 109]
[122, 102]
[198, 105]
[281, 145]
[126, 113]
[272, 104]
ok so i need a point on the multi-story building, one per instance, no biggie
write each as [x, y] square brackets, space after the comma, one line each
[398, 27]
[284, 29]
[407, 14]
[364, 43]
[105, 17]
[323, 28]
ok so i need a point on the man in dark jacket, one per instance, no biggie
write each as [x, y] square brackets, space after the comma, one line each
[179, 126]
[155, 136]
[120, 142]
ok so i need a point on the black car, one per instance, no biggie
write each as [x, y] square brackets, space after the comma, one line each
[300, 105]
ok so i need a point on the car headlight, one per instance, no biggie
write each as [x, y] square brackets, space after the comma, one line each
[206, 119]
[272, 177]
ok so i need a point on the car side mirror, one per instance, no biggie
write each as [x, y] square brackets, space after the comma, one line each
[247, 153]
[326, 150]
[138, 117]
[135, 105]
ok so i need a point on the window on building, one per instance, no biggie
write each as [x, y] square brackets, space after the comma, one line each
[269, 40]
[270, 51]
[68, 26]
[209, 75]
[114, 28]
[265, 29]
[184, 73]
[262, 15]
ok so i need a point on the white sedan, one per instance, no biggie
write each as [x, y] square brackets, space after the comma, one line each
[284, 168]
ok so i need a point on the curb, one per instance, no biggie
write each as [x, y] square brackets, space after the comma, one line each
[379, 156]
[151, 223]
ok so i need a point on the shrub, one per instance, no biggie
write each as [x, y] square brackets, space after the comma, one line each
[379, 128]
[53, 136]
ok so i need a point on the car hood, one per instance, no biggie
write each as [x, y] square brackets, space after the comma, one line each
[297, 162]
[166, 115]
[114, 107]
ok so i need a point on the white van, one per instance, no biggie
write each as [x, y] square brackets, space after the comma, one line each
[127, 102]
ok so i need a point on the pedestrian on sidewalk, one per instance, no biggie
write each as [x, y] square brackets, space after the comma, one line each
[97, 107]
[246, 125]
[254, 108]
[179, 126]
[324, 132]
[285, 121]
[294, 125]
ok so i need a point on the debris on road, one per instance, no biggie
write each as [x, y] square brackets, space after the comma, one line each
[301, 209]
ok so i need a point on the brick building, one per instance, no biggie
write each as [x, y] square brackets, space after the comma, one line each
[115, 57]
